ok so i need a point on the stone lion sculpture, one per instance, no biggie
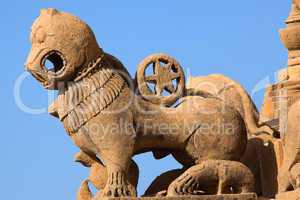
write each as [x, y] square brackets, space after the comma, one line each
[112, 117]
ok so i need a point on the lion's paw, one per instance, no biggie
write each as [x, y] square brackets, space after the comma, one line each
[118, 186]
[118, 191]
[184, 185]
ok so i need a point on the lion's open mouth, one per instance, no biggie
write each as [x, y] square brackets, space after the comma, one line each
[53, 62]
[48, 68]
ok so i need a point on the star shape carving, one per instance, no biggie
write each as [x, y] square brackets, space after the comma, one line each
[162, 78]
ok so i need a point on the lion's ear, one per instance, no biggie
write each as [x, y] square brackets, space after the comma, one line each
[49, 11]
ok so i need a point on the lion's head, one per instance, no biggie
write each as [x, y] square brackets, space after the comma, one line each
[64, 40]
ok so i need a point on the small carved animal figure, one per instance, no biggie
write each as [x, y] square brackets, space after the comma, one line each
[214, 177]
[104, 116]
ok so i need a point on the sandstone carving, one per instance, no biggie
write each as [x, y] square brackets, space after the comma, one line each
[162, 78]
[160, 184]
[295, 176]
[264, 157]
[214, 177]
[283, 98]
[98, 175]
[232, 93]
[209, 124]
[108, 120]
[290, 171]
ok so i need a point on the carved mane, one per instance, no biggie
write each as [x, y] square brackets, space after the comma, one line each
[82, 100]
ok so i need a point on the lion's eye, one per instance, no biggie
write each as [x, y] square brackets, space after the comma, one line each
[40, 36]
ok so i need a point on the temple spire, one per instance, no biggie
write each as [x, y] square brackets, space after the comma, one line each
[280, 96]
[290, 37]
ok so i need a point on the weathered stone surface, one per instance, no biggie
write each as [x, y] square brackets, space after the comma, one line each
[282, 103]
[289, 175]
[293, 195]
[110, 122]
[211, 126]
[264, 157]
[233, 94]
[218, 175]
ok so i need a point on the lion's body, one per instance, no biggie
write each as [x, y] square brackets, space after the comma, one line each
[197, 129]
[110, 119]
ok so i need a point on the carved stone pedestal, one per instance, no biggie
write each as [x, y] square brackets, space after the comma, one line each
[202, 197]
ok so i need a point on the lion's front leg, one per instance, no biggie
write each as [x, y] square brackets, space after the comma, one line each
[117, 158]
[115, 139]
[117, 184]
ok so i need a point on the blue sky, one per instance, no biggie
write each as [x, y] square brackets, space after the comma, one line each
[236, 38]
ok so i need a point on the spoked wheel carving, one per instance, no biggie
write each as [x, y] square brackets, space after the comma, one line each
[167, 79]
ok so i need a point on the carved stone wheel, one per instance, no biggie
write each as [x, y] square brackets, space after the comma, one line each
[166, 78]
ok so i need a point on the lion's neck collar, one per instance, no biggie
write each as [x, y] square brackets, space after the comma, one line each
[90, 68]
